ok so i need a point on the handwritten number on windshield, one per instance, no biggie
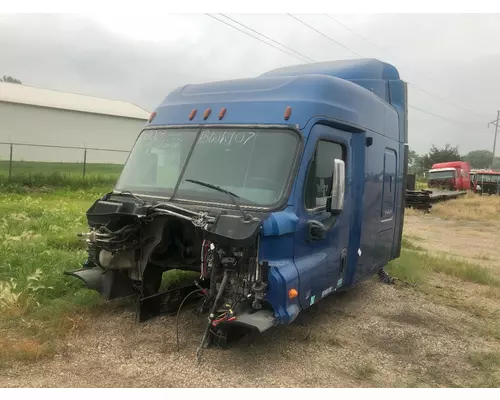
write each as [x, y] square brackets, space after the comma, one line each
[226, 138]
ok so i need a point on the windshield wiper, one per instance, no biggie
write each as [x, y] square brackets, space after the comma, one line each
[232, 195]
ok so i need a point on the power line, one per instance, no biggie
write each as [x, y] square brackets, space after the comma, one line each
[370, 42]
[441, 117]
[255, 37]
[326, 36]
[277, 48]
[410, 83]
[349, 29]
[268, 38]
[444, 100]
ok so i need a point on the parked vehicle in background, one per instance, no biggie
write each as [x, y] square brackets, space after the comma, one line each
[453, 175]
[442, 178]
[486, 181]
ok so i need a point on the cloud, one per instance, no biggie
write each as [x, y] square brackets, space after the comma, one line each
[141, 60]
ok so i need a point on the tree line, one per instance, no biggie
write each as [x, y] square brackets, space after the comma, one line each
[10, 79]
[478, 159]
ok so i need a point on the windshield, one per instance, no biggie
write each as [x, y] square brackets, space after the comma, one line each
[487, 178]
[441, 174]
[253, 164]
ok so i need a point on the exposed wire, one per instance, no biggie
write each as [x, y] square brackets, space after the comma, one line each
[178, 312]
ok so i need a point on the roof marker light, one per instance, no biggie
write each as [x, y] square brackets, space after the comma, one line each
[192, 114]
[288, 112]
[207, 113]
[151, 116]
[222, 113]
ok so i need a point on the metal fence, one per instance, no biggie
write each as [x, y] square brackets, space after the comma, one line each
[12, 156]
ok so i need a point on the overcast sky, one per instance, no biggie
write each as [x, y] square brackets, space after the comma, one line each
[140, 59]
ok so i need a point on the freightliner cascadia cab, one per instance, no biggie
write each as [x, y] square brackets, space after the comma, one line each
[276, 191]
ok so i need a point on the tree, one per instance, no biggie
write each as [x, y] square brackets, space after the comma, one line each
[10, 79]
[414, 163]
[435, 155]
[412, 157]
[481, 159]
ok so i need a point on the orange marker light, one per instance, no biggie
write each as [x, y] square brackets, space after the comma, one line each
[292, 294]
[152, 116]
[222, 113]
[207, 113]
[192, 114]
[288, 112]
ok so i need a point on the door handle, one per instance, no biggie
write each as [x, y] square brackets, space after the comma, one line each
[343, 265]
[343, 262]
[317, 230]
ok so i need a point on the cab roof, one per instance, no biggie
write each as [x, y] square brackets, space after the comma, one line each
[360, 69]
[310, 90]
[442, 169]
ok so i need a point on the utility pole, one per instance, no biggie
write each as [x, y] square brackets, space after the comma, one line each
[496, 122]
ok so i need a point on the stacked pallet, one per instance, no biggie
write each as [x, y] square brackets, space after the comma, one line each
[419, 200]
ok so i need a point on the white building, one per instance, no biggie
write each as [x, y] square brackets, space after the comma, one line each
[40, 116]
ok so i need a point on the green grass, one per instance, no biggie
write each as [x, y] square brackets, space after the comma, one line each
[38, 242]
[52, 174]
[38, 233]
[34, 167]
[415, 266]
[409, 244]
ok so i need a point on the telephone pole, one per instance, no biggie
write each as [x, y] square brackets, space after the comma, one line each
[496, 123]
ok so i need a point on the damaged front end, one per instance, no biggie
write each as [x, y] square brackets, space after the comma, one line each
[131, 244]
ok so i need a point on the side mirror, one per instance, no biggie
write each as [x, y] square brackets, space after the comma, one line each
[335, 200]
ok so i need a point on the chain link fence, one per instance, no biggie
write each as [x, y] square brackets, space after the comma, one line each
[44, 163]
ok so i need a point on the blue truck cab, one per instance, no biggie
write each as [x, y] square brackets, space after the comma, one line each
[279, 190]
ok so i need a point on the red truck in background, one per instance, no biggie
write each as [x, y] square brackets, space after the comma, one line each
[453, 175]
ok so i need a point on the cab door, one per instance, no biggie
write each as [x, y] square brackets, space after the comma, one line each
[321, 239]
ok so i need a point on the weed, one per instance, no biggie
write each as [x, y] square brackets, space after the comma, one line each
[415, 266]
[471, 207]
[487, 364]
[15, 301]
[485, 361]
[364, 371]
[408, 244]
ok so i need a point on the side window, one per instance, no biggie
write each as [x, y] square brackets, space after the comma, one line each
[319, 177]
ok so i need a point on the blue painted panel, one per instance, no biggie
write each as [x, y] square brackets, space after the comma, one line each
[264, 100]
[319, 262]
